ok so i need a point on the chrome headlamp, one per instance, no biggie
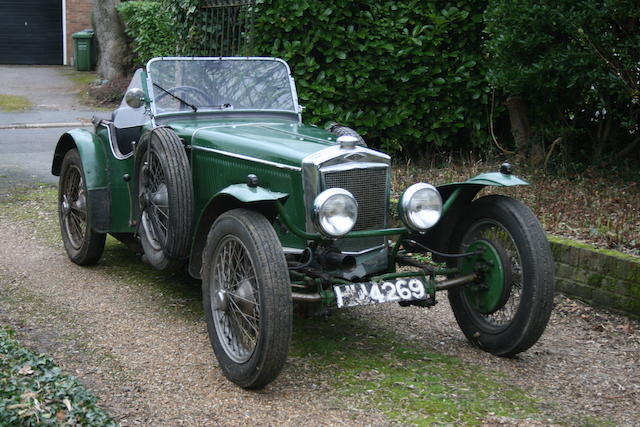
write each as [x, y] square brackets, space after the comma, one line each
[335, 212]
[420, 207]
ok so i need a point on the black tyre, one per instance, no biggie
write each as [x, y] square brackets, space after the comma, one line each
[247, 298]
[165, 199]
[83, 244]
[509, 311]
[339, 130]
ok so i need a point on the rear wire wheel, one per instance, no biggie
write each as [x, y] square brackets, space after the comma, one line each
[83, 244]
[247, 298]
[165, 199]
[508, 312]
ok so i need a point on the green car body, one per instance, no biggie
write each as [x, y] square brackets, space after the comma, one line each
[269, 162]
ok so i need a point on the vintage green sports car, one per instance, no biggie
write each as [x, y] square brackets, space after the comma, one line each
[207, 165]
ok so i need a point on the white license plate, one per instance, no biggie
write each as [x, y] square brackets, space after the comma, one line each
[405, 289]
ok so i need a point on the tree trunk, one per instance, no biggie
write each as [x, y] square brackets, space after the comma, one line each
[528, 149]
[114, 59]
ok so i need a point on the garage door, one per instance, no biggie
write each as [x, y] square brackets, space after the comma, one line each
[30, 31]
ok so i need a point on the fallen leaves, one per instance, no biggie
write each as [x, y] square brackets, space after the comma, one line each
[627, 329]
[26, 370]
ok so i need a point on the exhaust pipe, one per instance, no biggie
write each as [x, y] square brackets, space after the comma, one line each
[334, 259]
[300, 297]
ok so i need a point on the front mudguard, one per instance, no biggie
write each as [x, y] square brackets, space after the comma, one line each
[232, 197]
[457, 198]
[96, 176]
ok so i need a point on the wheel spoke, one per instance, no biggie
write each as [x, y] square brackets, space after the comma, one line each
[73, 206]
[249, 319]
[238, 323]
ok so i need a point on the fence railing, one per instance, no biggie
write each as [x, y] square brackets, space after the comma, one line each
[228, 28]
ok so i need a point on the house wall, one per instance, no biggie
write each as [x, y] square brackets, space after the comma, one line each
[78, 18]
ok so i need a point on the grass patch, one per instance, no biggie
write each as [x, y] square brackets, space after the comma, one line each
[83, 81]
[403, 381]
[80, 78]
[35, 207]
[33, 390]
[10, 103]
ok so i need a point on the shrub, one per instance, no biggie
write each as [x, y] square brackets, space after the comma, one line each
[149, 25]
[33, 391]
[404, 74]
[576, 64]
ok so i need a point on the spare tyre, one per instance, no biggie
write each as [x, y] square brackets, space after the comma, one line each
[340, 130]
[165, 198]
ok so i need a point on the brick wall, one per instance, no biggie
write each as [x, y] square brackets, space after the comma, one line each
[78, 19]
[601, 278]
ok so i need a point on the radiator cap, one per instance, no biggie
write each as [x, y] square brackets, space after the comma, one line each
[347, 141]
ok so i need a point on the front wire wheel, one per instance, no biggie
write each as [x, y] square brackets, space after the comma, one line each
[507, 313]
[84, 245]
[236, 303]
[247, 298]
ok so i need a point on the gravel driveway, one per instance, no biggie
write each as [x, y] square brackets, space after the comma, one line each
[146, 355]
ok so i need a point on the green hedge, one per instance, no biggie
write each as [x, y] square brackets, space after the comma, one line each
[148, 23]
[416, 74]
[404, 74]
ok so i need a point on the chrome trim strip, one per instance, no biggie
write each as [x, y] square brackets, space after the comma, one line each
[367, 250]
[220, 112]
[353, 165]
[114, 150]
[295, 251]
[249, 158]
[229, 126]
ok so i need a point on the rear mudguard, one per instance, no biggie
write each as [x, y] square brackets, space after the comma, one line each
[462, 194]
[231, 197]
[95, 166]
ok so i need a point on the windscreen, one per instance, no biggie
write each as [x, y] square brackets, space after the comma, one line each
[183, 84]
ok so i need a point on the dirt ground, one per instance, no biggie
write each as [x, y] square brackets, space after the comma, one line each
[146, 354]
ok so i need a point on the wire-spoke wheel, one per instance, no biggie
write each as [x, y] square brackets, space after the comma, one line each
[247, 298]
[164, 198]
[508, 310]
[83, 245]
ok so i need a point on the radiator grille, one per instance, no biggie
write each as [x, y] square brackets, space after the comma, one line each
[369, 187]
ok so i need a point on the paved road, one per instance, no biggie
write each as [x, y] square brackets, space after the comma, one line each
[26, 153]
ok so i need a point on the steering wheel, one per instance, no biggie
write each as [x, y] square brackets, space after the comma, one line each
[189, 94]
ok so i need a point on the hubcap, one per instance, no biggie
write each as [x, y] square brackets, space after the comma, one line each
[220, 301]
[493, 303]
[493, 290]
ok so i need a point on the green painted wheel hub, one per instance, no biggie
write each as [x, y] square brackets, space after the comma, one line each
[492, 290]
